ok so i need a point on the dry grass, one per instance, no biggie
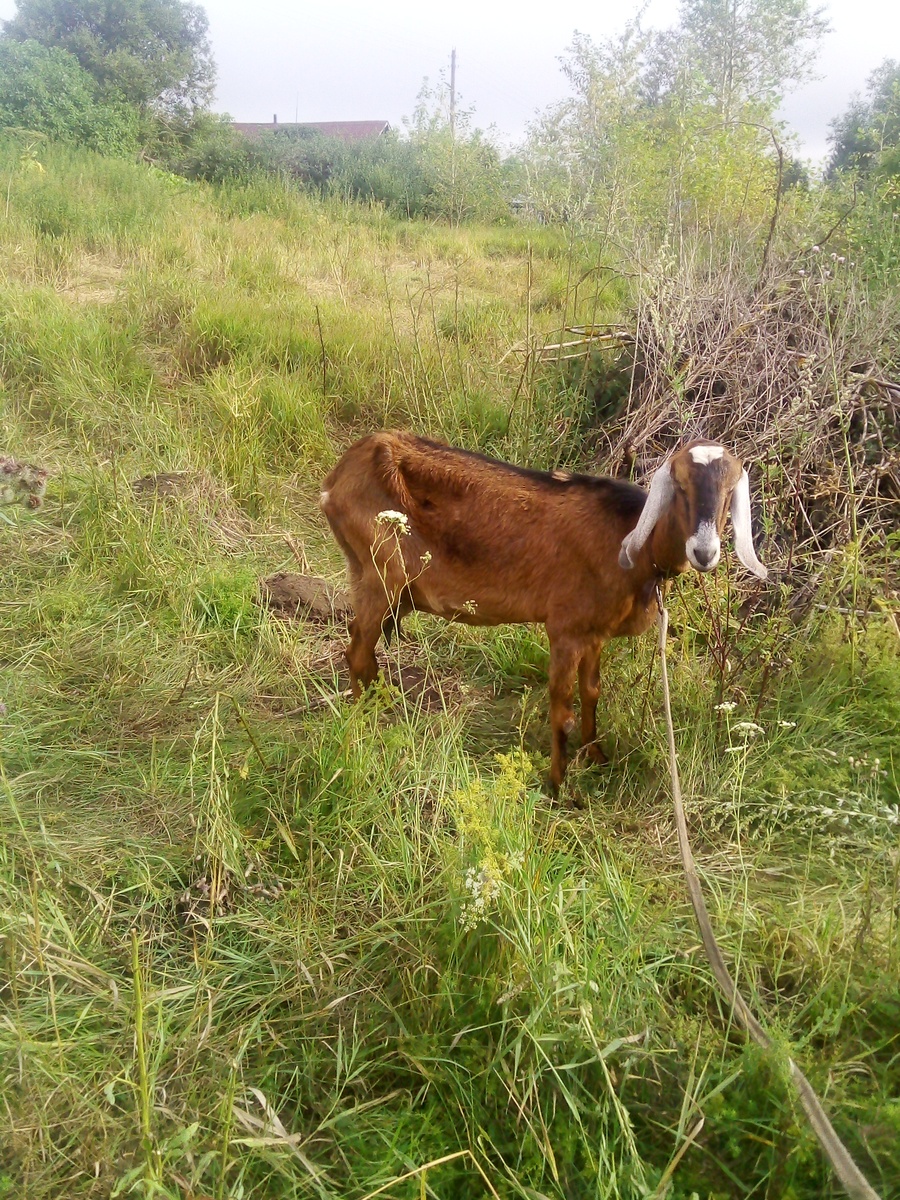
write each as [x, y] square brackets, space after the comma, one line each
[795, 373]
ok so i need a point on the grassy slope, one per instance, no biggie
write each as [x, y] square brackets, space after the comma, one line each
[413, 954]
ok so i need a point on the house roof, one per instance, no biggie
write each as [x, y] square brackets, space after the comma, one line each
[346, 131]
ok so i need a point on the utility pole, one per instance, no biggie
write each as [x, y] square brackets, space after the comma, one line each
[453, 94]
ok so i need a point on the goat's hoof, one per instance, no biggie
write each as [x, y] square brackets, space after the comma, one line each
[565, 798]
[594, 752]
[576, 801]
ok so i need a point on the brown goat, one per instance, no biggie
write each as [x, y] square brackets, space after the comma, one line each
[428, 527]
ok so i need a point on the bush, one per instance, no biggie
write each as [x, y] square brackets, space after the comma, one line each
[46, 91]
[207, 147]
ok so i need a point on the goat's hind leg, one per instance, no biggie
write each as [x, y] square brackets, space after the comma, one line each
[372, 609]
[376, 615]
[390, 626]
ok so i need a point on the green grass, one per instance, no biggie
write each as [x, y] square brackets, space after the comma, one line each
[258, 942]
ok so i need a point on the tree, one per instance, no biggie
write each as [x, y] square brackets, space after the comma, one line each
[866, 138]
[746, 54]
[154, 54]
[45, 90]
[582, 146]
[457, 168]
[673, 126]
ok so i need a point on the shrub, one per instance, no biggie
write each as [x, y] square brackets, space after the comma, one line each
[46, 91]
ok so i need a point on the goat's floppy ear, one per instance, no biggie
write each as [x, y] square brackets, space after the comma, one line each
[661, 490]
[740, 522]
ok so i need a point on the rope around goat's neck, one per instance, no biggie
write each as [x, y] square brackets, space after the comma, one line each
[853, 1180]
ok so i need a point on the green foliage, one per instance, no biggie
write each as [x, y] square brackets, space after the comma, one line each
[453, 174]
[429, 173]
[149, 53]
[866, 138]
[46, 91]
[608, 156]
[460, 164]
[673, 128]
[744, 54]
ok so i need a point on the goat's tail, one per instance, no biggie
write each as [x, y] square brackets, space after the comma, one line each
[388, 463]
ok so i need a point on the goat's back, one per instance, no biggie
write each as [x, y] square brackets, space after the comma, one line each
[485, 538]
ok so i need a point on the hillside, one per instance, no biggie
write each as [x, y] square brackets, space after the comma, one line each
[260, 942]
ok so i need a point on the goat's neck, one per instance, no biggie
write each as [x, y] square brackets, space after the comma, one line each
[666, 547]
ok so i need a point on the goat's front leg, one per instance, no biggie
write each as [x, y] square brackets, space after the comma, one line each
[589, 691]
[564, 657]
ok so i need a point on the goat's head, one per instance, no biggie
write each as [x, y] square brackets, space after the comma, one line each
[699, 482]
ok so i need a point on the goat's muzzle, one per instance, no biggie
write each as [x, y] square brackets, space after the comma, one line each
[704, 548]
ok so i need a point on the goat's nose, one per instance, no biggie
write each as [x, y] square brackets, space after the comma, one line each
[703, 556]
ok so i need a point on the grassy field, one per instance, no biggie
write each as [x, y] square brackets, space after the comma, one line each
[258, 942]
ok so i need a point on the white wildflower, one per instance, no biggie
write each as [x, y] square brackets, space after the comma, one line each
[748, 727]
[398, 521]
[817, 249]
[725, 706]
[787, 724]
[483, 888]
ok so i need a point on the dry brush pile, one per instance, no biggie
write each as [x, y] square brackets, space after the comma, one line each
[796, 374]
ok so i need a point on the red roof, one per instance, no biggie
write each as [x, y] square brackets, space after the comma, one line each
[347, 131]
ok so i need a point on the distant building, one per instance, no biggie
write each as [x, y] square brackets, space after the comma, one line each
[345, 131]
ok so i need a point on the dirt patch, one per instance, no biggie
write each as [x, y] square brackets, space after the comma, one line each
[166, 483]
[303, 597]
[423, 688]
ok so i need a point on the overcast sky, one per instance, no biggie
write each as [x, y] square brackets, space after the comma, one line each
[355, 60]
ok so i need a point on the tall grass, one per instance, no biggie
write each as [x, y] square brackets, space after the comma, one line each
[258, 942]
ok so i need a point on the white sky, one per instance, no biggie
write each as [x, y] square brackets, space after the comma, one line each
[355, 60]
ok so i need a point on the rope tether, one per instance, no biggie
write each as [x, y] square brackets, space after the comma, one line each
[853, 1180]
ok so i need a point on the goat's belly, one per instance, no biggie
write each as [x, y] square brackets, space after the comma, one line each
[484, 611]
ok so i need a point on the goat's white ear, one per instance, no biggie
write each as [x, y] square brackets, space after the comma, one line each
[740, 522]
[661, 489]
